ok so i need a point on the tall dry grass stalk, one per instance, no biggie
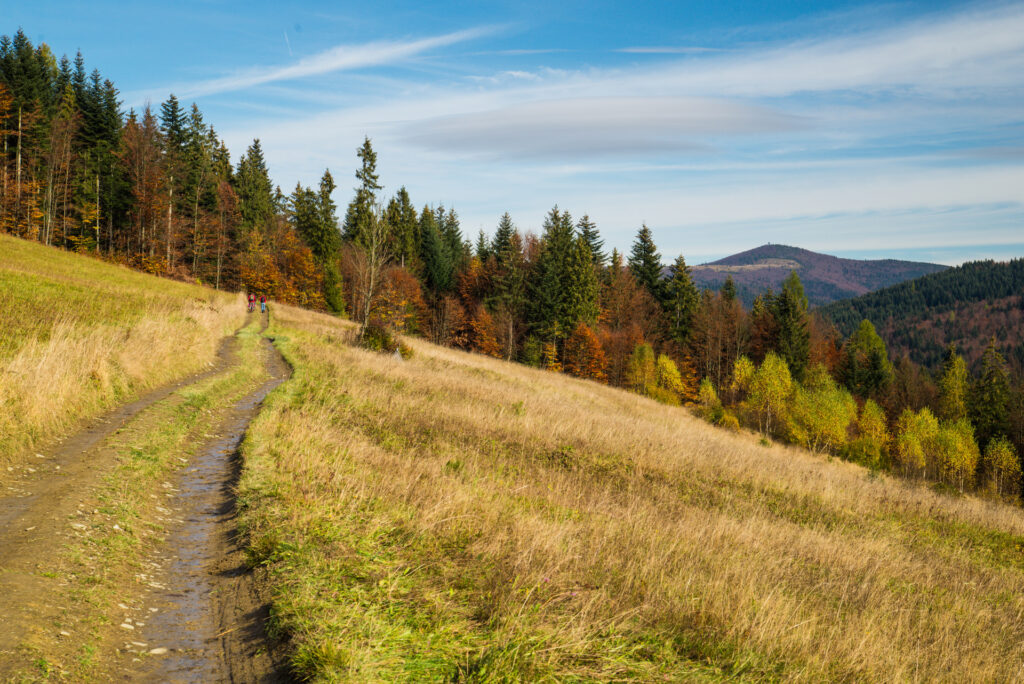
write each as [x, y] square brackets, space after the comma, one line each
[78, 336]
[459, 517]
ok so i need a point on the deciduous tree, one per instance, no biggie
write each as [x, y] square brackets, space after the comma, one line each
[583, 356]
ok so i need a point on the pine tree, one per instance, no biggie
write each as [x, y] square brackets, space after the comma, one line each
[728, 290]
[588, 231]
[791, 317]
[682, 298]
[580, 293]
[437, 262]
[510, 289]
[328, 214]
[361, 208]
[172, 124]
[990, 396]
[404, 231]
[451, 232]
[864, 364]
[255, 191]
[502, 238]
[483, 247]
[764, 329]
[548, 314]
[314, 217]
[645, 264]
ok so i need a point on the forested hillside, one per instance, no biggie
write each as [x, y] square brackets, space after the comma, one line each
[965, 306]
[826, 278]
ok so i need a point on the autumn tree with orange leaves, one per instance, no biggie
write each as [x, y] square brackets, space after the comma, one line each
[583, 356]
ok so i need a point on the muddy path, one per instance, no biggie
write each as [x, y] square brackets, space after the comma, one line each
[206, 622]
[197, 603]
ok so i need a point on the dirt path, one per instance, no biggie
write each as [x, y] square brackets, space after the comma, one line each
[208, 611]
[207, 625]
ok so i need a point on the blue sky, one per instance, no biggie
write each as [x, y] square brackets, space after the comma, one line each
[859, 129]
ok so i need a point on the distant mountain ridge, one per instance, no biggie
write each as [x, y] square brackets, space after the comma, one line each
[825, 278]
[966, 305]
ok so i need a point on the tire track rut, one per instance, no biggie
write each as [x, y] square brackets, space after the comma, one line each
[208, 622]
[211, 612]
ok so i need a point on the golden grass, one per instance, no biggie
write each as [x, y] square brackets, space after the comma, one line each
[454, 517]
[78, 336]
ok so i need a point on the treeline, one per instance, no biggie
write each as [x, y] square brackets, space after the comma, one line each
[154, 190]
[158, 191]
[964, 305]
[971, 282]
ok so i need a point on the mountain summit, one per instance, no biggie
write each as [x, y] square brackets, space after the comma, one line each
[825, 278]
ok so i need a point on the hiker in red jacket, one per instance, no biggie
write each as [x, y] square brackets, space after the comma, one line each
[263, 303]
[252, 302]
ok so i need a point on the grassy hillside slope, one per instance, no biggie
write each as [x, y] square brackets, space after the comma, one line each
[453, 517]
[78, 335]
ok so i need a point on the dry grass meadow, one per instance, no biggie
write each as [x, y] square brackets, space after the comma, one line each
[78, 336]
[457, 518]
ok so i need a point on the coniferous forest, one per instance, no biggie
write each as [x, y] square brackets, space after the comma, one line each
[156, 190]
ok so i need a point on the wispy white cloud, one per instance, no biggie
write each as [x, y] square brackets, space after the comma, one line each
[669, 50]
[970, 50]
[521, 52]
[338, 58]
[584, 127]
[528, 112]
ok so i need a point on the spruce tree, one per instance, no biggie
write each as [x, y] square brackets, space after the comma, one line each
[793, 341]
[580, 294]
[437, 262]
[483, 247]
[588, 231]
[728, 290]
[509, 286]
[682, 299]
[404, 230]
[173, 123]
[510, 280]
[502, 237]
[458, 251]
[990, 396]
[78, 76]
[314, 217]
[328, 212]
[255, 191]
[864, 365]
[63, 73]
[548, 315]
[360, 209]
[645, 265]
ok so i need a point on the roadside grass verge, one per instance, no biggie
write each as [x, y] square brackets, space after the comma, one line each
[78, 336]
[457, 518]
[118, 528]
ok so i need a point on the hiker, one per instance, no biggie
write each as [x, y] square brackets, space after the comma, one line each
[263, 303]
[252, 302]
